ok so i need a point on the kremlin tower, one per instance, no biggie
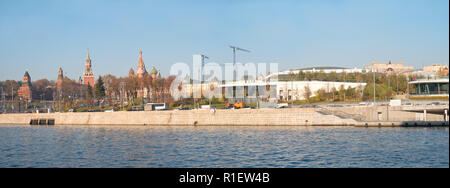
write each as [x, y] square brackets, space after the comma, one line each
[25, 88]
[60, 79]
[88, 75]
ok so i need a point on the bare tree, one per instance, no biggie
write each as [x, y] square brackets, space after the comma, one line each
[307, 93]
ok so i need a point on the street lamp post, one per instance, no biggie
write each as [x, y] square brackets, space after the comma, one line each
[374, 91]
[20, 101]
[345, 80]
[12, 98]
[3, 100]
[59, 100]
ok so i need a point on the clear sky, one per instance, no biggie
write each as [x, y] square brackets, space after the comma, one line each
[41, 36]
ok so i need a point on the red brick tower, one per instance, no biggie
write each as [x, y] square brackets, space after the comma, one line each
[88, 75]
[60, 78]
[25, 88]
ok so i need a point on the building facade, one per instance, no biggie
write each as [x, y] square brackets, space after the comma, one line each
[429, 88]
[247, 90]
[436, 68]
[388, 68]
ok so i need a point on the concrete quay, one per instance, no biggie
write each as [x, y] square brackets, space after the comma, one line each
[260, 117]
[241, 117]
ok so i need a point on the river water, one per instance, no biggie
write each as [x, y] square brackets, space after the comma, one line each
[253, 147]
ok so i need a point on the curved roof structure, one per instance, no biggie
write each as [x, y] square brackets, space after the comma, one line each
[321, 68]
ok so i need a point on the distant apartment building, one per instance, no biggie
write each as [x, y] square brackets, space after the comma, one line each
[436, 68]
[388, 68]
[431, 71]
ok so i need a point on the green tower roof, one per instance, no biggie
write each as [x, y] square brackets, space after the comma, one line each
[153, 71]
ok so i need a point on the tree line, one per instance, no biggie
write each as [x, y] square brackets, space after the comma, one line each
[108, 91]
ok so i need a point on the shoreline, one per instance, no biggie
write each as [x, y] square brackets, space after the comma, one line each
[242, 117]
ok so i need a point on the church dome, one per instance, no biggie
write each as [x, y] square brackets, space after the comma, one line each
[153, 71]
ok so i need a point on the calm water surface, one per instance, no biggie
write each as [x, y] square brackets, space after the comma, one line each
[101, 146]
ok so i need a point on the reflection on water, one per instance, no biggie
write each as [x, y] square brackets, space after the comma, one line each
[125, 146]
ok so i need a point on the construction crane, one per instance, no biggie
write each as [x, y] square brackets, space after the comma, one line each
[201, 73]
[234, 61]
[201, 77]
[234, 52]
[234, 57]
[203, 60]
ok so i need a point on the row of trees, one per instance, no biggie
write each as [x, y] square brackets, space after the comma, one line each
[108, 90]
[382, 92]
[112, 91]
[41, 89]
[132, 87]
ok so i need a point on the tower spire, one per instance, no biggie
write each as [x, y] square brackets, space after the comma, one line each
[141, 62]
[60, 73]
[87, 56]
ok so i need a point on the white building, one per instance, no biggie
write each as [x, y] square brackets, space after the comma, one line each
[280, 90]
[295, 90]
[269, 87]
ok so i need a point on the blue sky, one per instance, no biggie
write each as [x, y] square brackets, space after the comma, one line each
[41, 36]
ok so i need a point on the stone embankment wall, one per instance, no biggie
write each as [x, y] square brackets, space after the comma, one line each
[242, 117]
[260, 117]
[382, 113]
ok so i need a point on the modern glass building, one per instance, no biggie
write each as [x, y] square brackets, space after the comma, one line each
[429, 87]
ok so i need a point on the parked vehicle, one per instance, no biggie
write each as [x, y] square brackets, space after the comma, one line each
[155, 106]
[283, 105]
[236, 105]
[207, 107]
[182, 109]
